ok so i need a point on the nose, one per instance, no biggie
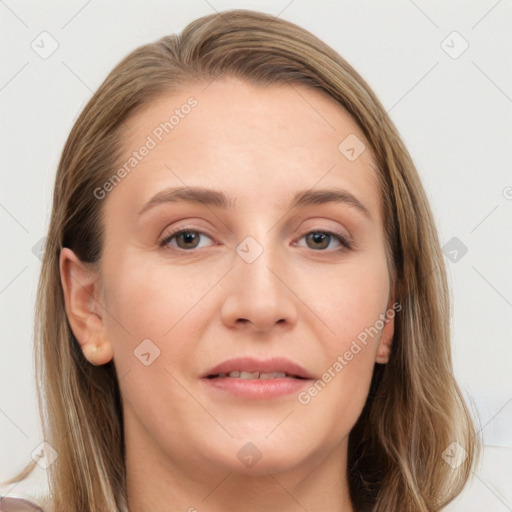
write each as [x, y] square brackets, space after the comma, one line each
[258, 295]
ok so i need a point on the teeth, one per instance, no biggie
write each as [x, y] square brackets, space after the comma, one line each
[275, 375]
[248, 375]
[253, 375]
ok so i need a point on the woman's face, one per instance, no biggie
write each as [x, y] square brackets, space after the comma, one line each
[272, 274]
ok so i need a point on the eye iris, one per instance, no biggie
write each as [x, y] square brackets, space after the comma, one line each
[319, 238]
[189, 238]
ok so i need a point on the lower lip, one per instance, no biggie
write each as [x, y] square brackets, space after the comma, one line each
[257, 388]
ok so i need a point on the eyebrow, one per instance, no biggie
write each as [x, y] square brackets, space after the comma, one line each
[217, 198]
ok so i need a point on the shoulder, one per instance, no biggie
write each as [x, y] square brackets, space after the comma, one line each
[9, 504]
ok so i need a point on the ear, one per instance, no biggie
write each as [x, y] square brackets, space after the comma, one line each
[82, 296]
[386, 339]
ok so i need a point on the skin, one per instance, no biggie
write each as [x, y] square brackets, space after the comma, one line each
[203, 305]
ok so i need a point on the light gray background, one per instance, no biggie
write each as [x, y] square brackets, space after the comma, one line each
[453, 113]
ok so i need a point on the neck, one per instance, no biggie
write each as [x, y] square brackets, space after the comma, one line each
[180, 485]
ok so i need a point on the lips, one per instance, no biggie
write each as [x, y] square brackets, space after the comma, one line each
[248, 368]
[248, 378]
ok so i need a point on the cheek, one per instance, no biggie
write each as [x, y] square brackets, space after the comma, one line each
[152, 309]
[149, 298]
[351, 305]
[350, 299]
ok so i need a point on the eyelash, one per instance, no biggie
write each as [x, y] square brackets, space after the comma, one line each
[345, 244]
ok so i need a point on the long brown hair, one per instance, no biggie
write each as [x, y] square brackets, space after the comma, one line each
[414, 411]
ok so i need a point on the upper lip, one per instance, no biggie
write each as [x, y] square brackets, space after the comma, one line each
[250, 364]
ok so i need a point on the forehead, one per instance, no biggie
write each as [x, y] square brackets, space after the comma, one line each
[248, 139]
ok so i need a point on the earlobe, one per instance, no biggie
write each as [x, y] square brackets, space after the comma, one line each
[386, 339]
[80, 285]
[97, 349]
[383, 351]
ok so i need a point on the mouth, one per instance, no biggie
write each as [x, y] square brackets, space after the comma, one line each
[250, 378]
[246, 375]
[250, 368]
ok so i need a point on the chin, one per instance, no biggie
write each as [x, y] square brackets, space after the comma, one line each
[259, 456]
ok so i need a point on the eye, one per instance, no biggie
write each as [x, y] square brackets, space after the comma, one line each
[321, 240]
[185, 239]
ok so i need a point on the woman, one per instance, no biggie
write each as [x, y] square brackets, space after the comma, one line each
[243, 302]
